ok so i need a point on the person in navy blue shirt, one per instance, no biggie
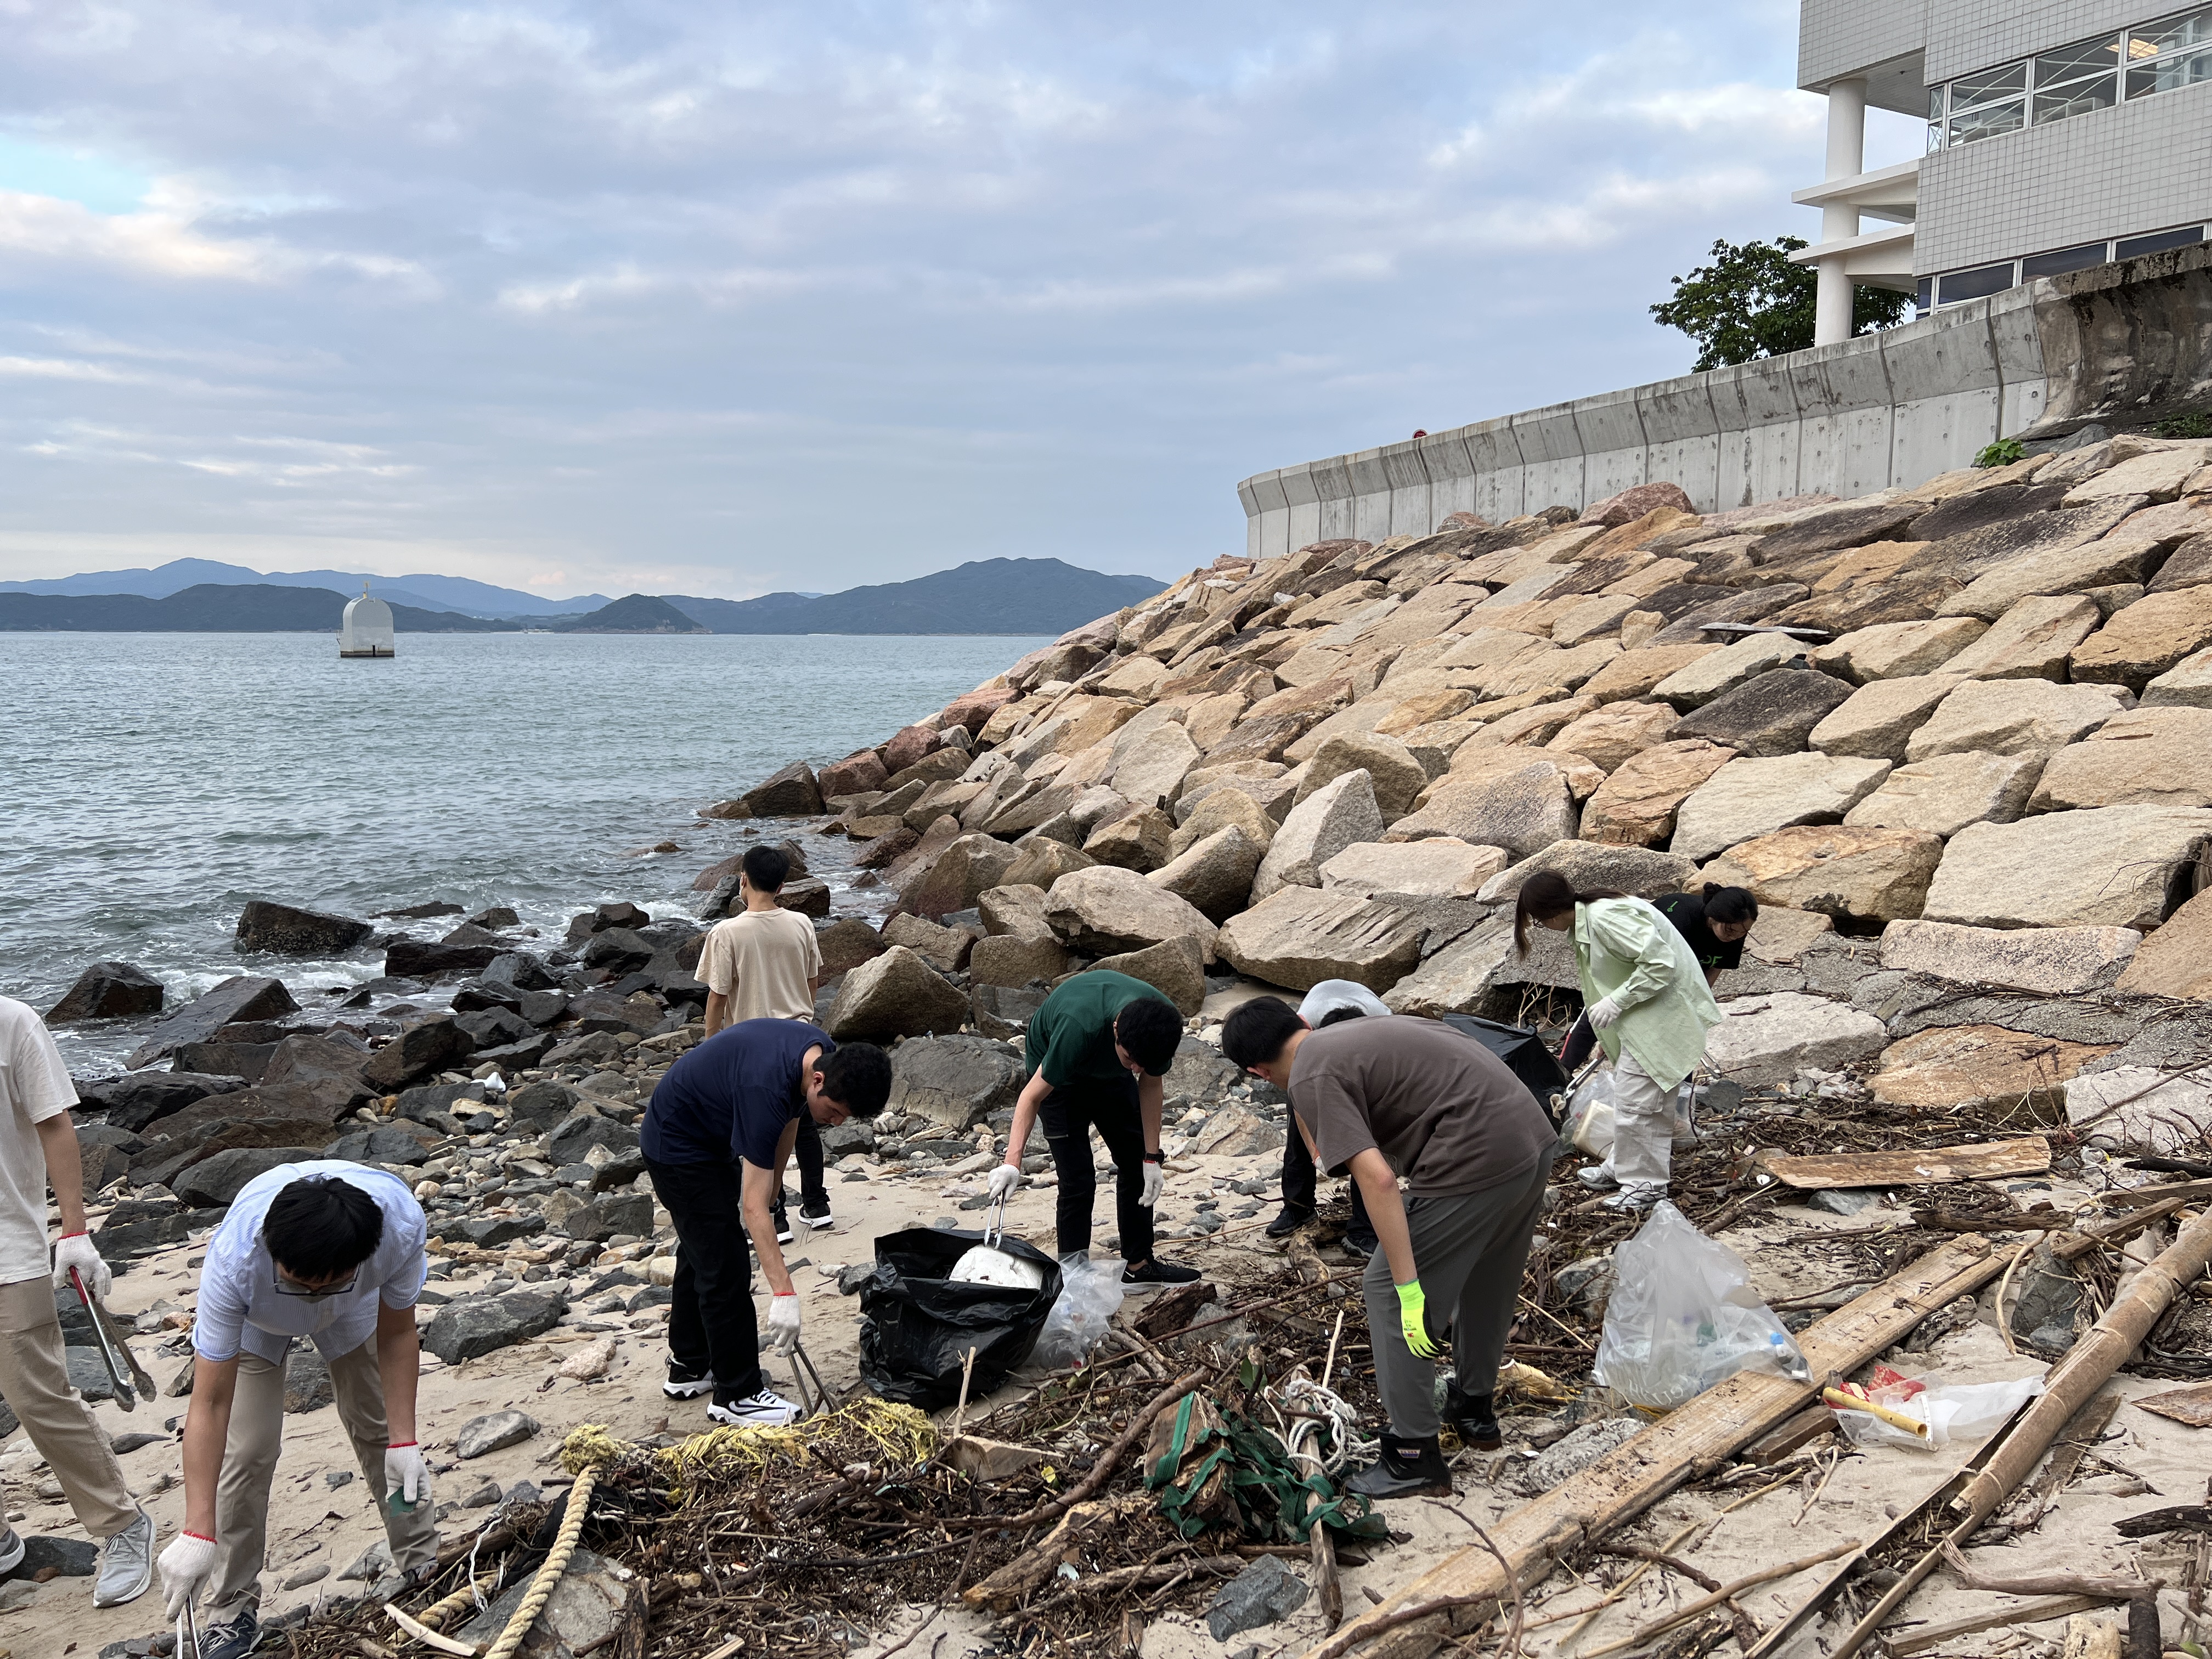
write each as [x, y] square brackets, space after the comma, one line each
[716, 1138]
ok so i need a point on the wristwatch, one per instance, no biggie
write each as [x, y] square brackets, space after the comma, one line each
[1156, 1158]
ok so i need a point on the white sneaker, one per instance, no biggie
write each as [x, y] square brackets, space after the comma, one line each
[1598, 1176]
[11, 1549]
[1634, 1199]
[127, 1564]
[766, 1410]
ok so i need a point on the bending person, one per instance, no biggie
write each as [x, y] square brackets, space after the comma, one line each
[1096, 1049]
[1650, 1005]
[1329, 1003]
[1714, 924]
[1412, 1097]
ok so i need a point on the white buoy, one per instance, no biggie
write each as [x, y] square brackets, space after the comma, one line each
[366, 631]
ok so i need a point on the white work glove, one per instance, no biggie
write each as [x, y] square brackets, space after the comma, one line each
[185, 1565]
[406, 1473]
[76, 1250]
[1604, 1014]
[783, 1321]
[1155, 1180]
[1004, 1180]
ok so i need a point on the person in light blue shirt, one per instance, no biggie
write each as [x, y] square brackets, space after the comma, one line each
[332, 1252]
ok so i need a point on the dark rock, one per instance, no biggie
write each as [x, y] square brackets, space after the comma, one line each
[469, 936]
[1769, 714]
[415, 958]
[325, 1061]
[543, 1007]
[886, 850]
[481, 994]
[383, 1144]
[487, 1232]
[420, 911]
[88, 1373]
[243, 996]
[138, 1225]
[282, 930]
[809, 896]
[1848, 526]
[621, 913]
[577, 1135]
[124, 1444]
[67, 1558]
[1979, 508]
[102, 1164]
[541, 1105]
[214, 1180]
[1264, 1593]
[853, 1135]
[846, 943]
[496, 917]
[493, 1431]
[957, 1081]
[593, 1047]
[490, 1028]
[306, 1381]
[108, 990]
[619, 1212]
[521, 970]
[791, 794]
[138, 1098]
[482, 1325]
[437, 1099]
[1004, 1011]
[619, 1170]
[617, 950]
[517, 1056]
[248, 1060]
[420, 1052]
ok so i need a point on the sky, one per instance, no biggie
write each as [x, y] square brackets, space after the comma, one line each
[724, 300]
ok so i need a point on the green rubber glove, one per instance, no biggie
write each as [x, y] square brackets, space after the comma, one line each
[1413, 1319]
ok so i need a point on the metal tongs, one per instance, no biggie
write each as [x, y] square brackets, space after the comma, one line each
[802, 1373]
[188, 1631]
[114, 1352]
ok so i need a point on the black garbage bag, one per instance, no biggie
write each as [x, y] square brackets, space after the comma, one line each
[917, 1324]
[1523, 1051]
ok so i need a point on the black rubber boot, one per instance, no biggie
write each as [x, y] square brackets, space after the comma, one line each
[1474, 1418]
[1408, 1468]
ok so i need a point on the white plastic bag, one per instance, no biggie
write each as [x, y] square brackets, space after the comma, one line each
[1090, 1296]
[1683, 1317]
[1951, 1411]
[1589, 1125]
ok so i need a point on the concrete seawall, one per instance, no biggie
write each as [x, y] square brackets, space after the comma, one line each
[2131, 339]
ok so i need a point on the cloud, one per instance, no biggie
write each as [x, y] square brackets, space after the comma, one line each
[824, 294]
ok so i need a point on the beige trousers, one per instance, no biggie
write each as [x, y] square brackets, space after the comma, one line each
[249, 1468]
[34, 1378]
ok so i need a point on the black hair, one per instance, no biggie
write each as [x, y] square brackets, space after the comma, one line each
[1546, 894]
[1338, 1016]
[1256, 1030]
[1151, 1030]
[857, 1076]
[1730, 904]
[766, 868]
[319, 1227]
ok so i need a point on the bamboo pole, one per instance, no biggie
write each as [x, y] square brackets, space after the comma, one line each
[1689, 1442]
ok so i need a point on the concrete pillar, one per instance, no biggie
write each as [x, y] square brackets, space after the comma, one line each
[1831, 314]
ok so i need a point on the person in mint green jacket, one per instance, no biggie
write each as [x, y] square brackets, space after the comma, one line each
[1647, 1000]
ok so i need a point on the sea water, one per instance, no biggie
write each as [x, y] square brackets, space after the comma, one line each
[152, 783]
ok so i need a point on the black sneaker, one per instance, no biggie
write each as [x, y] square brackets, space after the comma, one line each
[819, 1220]
[1408, 1468]
[686, 1384]
[1156, 1272]
[1362, 1245]
[783, 1233]
[232, 1639]
[1474, 1418]
[1294, 1216]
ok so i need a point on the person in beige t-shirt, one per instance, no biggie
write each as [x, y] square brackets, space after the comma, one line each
[763, 963]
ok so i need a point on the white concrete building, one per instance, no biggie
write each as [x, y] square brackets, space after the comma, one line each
[366, 629]
[2062, 134]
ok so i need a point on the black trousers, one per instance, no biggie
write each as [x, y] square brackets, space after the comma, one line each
[1301, 1181]
[806, 1153]
[712, 1325]
[1068, 1115]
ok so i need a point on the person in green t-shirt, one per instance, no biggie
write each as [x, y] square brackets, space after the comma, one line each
[1097, 1049]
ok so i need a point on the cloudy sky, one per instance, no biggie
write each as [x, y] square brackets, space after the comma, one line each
[719, 300]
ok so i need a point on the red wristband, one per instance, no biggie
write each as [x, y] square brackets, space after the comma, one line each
[399, 1445]
[202, 1536]
[780, 1295]
[83, 1233]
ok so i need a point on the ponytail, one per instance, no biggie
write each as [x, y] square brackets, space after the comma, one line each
[1548, 894]
[1730, 904]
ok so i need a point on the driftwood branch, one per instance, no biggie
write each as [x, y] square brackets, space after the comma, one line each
[2049, 1583]
[1707, 1604]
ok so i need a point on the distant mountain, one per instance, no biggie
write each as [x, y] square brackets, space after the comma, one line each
[216, 608]
[989, 596]
[423, 592]
[636, 613]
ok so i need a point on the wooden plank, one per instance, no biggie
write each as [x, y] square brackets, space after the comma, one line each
[2131, 1196]
[2192, 1405]
[1688, 1442]
[2029, 1155]
[1807, 1426]
[2023, 1612]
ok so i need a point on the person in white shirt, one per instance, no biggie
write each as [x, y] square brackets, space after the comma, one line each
[38, 1146]
[330, 1251]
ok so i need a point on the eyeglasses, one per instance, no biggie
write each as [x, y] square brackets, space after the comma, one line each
[286, 1285]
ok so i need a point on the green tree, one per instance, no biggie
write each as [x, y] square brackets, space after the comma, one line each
[1752, 302]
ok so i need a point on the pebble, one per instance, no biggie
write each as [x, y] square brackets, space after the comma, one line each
[313, 1573]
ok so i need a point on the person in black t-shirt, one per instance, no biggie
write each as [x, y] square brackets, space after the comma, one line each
[1714, 924]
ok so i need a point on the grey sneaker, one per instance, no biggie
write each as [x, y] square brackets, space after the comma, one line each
[127, 1564]
[11, 1550]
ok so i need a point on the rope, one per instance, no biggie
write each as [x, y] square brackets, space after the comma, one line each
[438, 1612]
[549, 1576]
[1336, 1427]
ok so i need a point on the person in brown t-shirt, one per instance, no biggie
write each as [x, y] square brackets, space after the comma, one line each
[1400, 1097]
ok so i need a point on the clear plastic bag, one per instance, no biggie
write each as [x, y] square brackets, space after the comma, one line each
[1090, 1296]
[1683, 1317]
[1588, 1126]
[1951, 1411]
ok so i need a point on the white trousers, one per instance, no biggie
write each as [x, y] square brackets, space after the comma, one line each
[1643, 1127]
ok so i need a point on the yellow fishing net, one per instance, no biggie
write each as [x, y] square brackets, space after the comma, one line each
[898, 1435]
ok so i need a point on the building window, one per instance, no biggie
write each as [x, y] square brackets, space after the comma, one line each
[2063, 259]
[2168, 56]
[2076, 79]
[1982, 105]
[1977, 285]
[2157, 241]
